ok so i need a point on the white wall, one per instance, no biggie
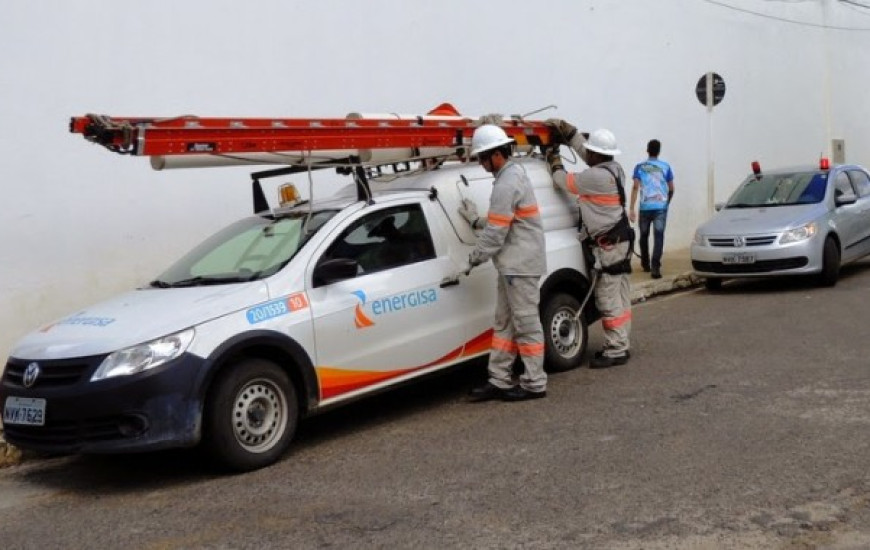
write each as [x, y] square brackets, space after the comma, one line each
[79, 224]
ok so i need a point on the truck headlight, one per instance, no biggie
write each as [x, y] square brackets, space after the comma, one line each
[799, 233]
[142, 357]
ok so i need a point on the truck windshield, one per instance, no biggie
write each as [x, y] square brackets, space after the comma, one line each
[250, 249]
[780, 190]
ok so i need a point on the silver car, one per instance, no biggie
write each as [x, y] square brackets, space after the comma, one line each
[799, 221]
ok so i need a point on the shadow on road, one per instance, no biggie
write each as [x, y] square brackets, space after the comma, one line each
[786, 284]
[129, 473]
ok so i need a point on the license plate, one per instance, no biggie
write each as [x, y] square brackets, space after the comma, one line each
[738, 259]
[29, 411]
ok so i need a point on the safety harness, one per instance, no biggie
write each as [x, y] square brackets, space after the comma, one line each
[620, 232]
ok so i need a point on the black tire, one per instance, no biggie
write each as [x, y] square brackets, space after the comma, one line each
[830, 263]
[713, 283]
[565, 336]
[250, 416]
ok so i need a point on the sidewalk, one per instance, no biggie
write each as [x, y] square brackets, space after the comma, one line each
[676, 274]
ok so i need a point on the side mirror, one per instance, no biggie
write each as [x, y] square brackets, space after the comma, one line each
[847, 198]
[334, 270]
[719, 206]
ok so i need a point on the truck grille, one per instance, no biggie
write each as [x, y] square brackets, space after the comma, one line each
[54, 373]
[64, 435]
[740, 241]
[762, 266]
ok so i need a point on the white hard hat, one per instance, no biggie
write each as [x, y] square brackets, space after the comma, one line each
[602, 141]
[488, 137]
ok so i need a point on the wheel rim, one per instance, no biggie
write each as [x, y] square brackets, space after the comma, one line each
[259, 415]
[565, 333]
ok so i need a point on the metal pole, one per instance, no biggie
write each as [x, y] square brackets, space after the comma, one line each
[710, 182]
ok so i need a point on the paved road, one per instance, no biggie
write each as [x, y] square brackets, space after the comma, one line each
[741, 422]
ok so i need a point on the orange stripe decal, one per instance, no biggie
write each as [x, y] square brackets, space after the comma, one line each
[611, 323]
[499, 219]
[334, 381]
[601, 200]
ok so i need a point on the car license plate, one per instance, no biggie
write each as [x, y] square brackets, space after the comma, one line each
[741, 258]
[24, 410]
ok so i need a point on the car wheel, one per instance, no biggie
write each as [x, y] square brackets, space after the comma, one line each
[830, 263]
[565, 335]
[251, 415]
[713, 283]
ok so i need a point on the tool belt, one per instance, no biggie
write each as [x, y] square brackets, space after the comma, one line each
[621, 232]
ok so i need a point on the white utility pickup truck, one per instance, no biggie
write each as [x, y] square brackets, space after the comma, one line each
[285, 314]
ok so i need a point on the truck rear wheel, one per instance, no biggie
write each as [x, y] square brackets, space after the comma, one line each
[565, 335]
[250, 416]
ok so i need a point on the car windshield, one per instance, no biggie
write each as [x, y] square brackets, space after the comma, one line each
[250, 249]
[780, 190]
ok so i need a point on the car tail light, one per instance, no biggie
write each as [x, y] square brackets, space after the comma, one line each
[824, 164]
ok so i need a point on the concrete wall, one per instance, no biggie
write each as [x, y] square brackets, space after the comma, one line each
[79, 224]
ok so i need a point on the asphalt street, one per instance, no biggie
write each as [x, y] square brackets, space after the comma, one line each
[740, 422]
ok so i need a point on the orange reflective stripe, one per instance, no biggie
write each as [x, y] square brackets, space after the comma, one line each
[503, 345]
[611, 323]
[526, 211]
[499, 219]
[571, 184]
[602, 200]
[531, 349]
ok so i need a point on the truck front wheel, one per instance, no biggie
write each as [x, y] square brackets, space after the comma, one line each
[565, 334]
[250, 415]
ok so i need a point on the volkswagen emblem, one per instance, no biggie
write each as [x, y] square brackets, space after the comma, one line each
[31, 373]
[739, 241]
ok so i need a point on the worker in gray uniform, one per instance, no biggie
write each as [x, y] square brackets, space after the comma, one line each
[513, 236]
[605, 228]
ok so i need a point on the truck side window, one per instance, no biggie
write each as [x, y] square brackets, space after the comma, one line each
[385, 239]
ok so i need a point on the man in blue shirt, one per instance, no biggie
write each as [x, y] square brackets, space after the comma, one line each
[654, 180]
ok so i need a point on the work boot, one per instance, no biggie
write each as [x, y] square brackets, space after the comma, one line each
[519, 393]
[601, 361]
[644, 266]
[485, 392]
[656, 273]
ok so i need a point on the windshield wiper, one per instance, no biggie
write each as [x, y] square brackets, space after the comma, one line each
[744, 205]
[200, 280]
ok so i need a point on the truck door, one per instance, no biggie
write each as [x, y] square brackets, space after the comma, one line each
[392, 320]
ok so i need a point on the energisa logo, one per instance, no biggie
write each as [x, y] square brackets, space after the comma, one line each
[391, 304]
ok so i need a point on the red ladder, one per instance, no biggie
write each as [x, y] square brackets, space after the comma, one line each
[192, 135]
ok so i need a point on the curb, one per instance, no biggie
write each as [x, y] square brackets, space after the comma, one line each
[648, 289]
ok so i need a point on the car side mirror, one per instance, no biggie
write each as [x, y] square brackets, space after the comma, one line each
[334, 270]
[719, 206]
[846, 198]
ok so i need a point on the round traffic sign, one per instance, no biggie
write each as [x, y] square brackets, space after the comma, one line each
[718, 84]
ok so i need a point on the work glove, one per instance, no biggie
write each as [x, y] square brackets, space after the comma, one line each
[562, 132]
[553, 158]
[468, 210]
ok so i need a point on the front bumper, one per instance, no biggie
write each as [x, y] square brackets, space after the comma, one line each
[773, 260]
[152, 410]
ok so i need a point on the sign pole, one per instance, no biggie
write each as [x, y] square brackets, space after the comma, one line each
[711, 186]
